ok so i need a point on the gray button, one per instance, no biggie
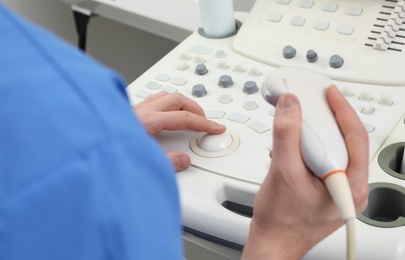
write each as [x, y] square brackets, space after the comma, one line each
[201, 69]
[250, 87]
[199, 90]
[336, 61]
[225, 81]
[289, 52]
[312, 56]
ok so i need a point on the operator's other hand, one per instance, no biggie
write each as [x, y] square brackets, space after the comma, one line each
[293, 210]
[164, 111]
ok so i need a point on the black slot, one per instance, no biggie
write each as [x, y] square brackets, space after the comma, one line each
[240, 209]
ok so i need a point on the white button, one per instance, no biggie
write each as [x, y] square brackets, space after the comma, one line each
[283, 2]
[162, 77]
[345, 29]
[255, 72]
[365, 96]
[347, 92]
[179, 81]
[238, 68]
[354, 10]
[225, 99]
[274, 17]
[239, 118]
[215, 114]
[182, 66]
[258, 126]
[250, 105]
[199, 59]
[369, 127]
[306, 3]
[170, 89]
[386, 100]
[221, 54]
[329, 7]
[380, 45]
[321, 25]
[297, 21]
[214, 143]
[222, 65]
[273, 112]
[184, 56]
[369, 110]
[199, 49]
[142, 93]
[152, 85]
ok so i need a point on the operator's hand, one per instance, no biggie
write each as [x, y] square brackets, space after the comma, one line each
[293, 211]
[164, 111]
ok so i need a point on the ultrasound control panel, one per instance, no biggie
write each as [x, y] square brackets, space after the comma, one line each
[224, 76]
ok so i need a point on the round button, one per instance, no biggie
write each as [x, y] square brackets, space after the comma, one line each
[199, 90]
[211, 146]
[225, 99]
[225, 81]
[201, 69]
[336, 61]
[289, 52]
[250, 87]
[220, 54]
[312, 56]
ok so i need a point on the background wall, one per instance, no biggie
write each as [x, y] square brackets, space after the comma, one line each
[128, 50]
[125, 49]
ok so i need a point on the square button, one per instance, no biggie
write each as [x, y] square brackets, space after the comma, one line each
[354, 10]
[274, 17]
[297, 21]
[329, 7]
[321, 25]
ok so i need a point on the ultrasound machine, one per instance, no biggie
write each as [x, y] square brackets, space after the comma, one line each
[358, 44]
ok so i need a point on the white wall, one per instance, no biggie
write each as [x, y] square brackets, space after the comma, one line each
[125, 49]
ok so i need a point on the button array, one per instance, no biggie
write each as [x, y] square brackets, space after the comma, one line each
[256, 125]
[322, 25]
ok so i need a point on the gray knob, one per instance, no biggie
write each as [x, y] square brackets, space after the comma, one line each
[225, 81]
[250, 87]
[312, 56]
[199, 90]
[336, 61]
[289, 52]
[201, 69]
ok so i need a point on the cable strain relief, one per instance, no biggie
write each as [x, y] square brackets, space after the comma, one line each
[339, 188]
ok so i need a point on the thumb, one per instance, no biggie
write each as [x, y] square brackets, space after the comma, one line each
[180, 161]
[287, 128]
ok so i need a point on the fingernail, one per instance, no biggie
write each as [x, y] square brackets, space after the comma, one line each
[184, 162]
[287, 102]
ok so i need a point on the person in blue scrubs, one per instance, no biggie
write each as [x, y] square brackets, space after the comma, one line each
[81, 176]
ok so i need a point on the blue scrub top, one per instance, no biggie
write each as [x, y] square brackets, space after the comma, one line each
[79, 176]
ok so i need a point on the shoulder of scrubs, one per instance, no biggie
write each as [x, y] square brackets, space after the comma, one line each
[79, 176]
